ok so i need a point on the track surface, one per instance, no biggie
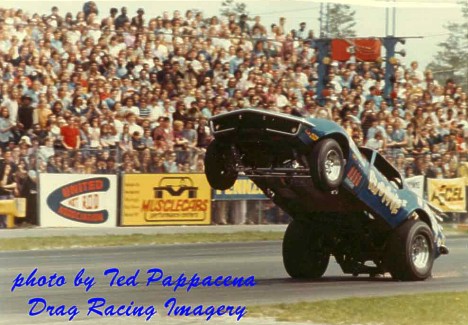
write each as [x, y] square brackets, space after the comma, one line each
[260, 259]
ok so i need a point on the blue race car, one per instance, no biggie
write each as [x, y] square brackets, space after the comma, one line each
[345, 201]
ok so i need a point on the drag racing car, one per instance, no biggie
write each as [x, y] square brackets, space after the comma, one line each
[345, 201]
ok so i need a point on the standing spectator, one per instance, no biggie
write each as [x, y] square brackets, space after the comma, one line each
[236, 61]
[5, 128]
[302, 33]
[7, 186]
[12, 104]
[122, 19]
[125, 139]
[71, 134]
[89, 8]
[138, 21]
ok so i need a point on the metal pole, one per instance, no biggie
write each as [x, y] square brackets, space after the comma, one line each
[386, 20]
[328, 21]
[321, 20]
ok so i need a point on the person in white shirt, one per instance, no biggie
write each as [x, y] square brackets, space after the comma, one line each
[12, 103]
[132, 125]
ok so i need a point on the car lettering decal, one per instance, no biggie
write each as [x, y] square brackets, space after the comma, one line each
[312, 136]
[388, 197]
[354, 176]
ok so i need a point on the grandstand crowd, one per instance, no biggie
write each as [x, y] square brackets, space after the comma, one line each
[93, 92]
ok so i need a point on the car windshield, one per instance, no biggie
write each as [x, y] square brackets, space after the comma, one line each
[383, 166]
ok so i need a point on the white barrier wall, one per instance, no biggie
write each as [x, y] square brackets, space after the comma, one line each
[76, 200]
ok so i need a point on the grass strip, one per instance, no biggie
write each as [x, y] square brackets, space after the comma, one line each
[448, 308]
[9, 244]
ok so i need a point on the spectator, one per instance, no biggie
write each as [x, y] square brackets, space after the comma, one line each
[170, 163]
[138, 21]
[183, 68]
[5, 128]
[71, 134]
[7, 186]
[47, 150]
[122, 19]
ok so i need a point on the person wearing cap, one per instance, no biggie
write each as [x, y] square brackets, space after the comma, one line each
[164, 130]
[25, 140]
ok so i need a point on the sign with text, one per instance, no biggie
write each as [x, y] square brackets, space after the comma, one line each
[165, 199]
[76, 200]
[463, 171]
[447, 194]
[243, 189]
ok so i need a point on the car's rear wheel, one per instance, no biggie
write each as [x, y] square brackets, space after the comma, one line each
[410, 251]
[327, 164]
[304, 256]
[219, 168]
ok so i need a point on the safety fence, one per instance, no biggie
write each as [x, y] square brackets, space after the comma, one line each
[91, 200]
[107, 188]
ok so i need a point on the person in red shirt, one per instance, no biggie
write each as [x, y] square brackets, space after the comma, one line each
[71, 134]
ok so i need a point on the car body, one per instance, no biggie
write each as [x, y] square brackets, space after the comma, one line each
[345, 201]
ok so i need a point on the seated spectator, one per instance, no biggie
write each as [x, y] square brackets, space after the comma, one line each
[170, 163]
[377, 142]
[47, 150]
[137, 141]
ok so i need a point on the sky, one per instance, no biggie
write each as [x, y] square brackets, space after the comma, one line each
[413, 18]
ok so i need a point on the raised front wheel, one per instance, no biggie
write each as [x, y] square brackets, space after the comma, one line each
[219, 169]
[327, 164]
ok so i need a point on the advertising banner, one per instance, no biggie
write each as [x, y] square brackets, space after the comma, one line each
[76, 200]
[165, 199]
[243, 189]
[463, 171]
[364, 49]
[447, 194]
[416, 184]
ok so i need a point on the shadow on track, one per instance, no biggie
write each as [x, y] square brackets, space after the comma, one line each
[325, 279]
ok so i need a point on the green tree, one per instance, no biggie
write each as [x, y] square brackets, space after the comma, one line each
[452, 59]
[340, 21]
[231, 7]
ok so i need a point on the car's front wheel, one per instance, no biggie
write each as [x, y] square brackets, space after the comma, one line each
[219, 168]
[304, 256]
[410, 251]
[327, 164]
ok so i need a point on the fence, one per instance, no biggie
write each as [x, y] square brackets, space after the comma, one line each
[105, 188]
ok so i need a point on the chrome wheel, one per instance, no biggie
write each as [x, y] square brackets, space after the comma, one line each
[333, 165]
[420, 251]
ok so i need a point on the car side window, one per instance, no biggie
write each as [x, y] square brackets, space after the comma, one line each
[383, 166]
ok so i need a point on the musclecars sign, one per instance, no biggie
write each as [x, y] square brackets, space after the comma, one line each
[78, 200]
[165, 199]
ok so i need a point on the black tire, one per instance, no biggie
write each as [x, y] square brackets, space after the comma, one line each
[303, 255]
[327, 164]
[410, 252]
[218, 169]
